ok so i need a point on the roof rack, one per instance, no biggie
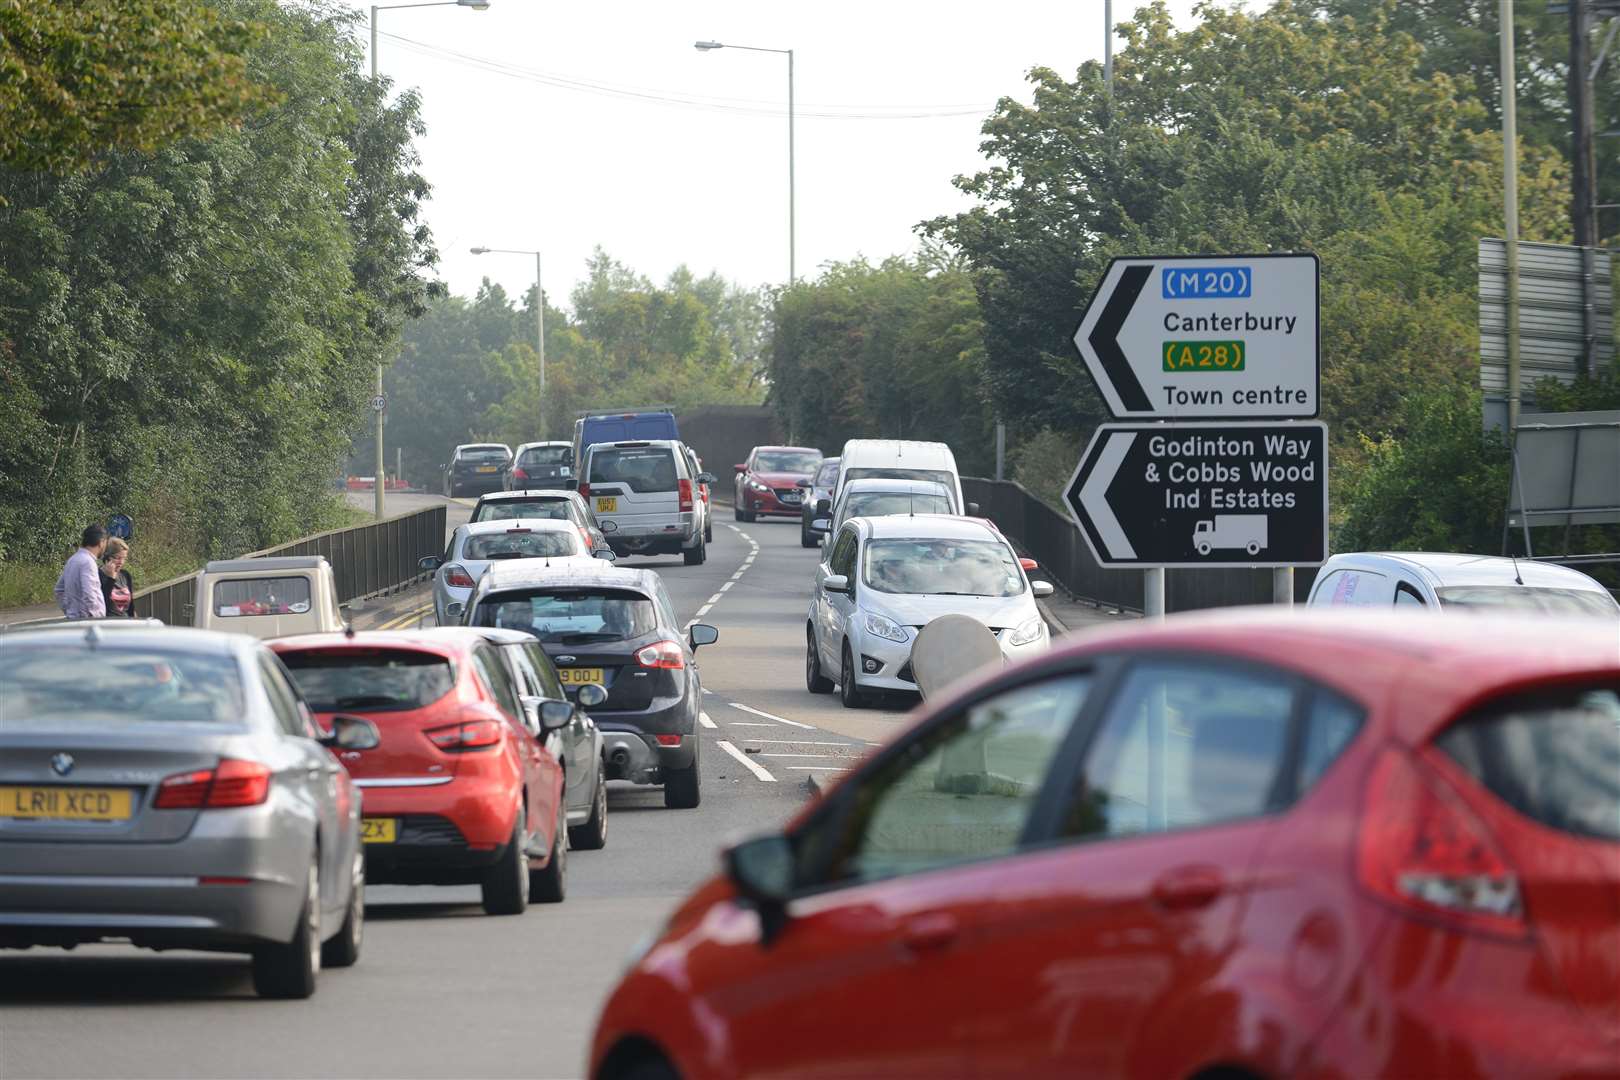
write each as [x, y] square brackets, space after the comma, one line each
[619, 410]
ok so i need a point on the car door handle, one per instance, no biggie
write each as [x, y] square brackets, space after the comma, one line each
[1188, 887]
[925, 933]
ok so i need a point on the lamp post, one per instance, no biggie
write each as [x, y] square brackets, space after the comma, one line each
[379, 402]
[710, 46]
[539, 318]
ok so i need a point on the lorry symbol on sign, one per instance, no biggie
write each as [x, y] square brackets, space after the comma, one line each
[1231, 531]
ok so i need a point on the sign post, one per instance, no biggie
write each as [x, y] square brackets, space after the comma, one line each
[1221, 354]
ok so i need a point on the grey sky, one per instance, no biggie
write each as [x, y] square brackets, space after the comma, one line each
[518, 161]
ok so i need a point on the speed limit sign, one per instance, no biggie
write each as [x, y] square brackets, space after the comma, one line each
[379, 403]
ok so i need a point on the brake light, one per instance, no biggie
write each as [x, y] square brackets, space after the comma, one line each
[457, 577]
[668, 740]
[662, 654]
[230, 783]
[585, 535]
[472, 735]
[519, 476]
[1423, 849]
[585, 490]
[686, 495]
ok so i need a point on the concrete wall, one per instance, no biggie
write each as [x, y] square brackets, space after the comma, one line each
[723, 435]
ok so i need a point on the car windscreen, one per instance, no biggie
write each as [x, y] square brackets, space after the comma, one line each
[1528, 598]
[938, 476]
[261, 596]
[520, 544]
[942, 567]
[881, 503]
[483, 453]
[570, 616]
[512, 509]
[788, 461]
[546, 455]
[70, 683]
[376, 680]
[641, 469]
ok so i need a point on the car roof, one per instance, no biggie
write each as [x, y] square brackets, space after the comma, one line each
[922, 455]
[927, 526]
[913, 487]
[802, 449]
[441, 640]
[543, 442]
[484, 446]
[178, 638]
[277, 562]
[527, 495]
[1444, 568]
[503, 525]
[636, 444]
[580, 572]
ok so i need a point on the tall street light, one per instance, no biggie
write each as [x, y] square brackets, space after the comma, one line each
[539, 318]
[379, 402]
[710, 46]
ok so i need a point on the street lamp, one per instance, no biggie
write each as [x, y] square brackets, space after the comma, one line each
[539, 317]
[380, 401]
[710, 46]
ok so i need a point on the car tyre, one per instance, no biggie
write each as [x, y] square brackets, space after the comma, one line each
[681, 787]
[743, 515]
[849, 693]
[649, 1069]
[506, 884]
[343, 948]
[550, 886]
[289, 971]
[814, 680]
[708, 531]
[592, 836]
[807, 538]
[696, 556]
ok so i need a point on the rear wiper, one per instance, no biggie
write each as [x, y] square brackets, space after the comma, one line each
[512, 555]
[577, 639]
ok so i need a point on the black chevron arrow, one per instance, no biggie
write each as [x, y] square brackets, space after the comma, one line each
[1105, 339]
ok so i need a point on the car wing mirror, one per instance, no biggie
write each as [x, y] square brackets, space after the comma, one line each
[351, 733]
[838, 583]
[429, 562]
[706, 478]
[762, 870]
[1042, 589]
[606, 553]
[740, 468]
[702, 634]
[556, 715]
[972, 509]
[823, 507]
[820, 524]
[591, 695]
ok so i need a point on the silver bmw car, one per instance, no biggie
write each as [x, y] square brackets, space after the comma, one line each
[169, 788]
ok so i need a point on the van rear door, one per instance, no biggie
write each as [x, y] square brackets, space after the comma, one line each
[636, 485]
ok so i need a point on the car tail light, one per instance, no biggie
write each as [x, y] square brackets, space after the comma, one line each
[1423, 849]
[472, 735]
[230, 783]
[662, 654]
[585, 535]
[668, 740]
[585, 491]
[456, 577]
[686, 495]
[519, 476]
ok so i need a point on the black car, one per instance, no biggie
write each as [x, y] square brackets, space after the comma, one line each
[613, 628]
[542, 465]
[477, 467]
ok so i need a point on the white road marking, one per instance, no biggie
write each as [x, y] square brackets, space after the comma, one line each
[713, 600]
[703, 718]
[800, 742]
[753, 766]
[744, 723]
[771, 716]
[802, 755]
[706, 691]
[726, 586]
[816, 768]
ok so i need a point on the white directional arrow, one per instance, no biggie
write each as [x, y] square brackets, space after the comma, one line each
[1094, 495]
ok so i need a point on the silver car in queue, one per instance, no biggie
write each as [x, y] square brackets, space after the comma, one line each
[169, 788]
[474, 546]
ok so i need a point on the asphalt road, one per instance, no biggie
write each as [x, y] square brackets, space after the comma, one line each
[442, 989]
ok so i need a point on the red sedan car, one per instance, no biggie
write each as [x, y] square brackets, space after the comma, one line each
[1248, 845]
[773, 481]
[461, 789]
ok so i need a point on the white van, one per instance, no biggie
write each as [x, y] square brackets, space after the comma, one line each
[899, 459]
[1445, 581]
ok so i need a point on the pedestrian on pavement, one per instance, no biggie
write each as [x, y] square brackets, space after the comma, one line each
[78, 589]
[117, 587]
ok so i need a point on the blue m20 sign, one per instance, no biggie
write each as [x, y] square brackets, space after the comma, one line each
[1206, 282]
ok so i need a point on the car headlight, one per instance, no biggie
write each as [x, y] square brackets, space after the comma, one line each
[757, 486]
[1027, 631]
[885, 627]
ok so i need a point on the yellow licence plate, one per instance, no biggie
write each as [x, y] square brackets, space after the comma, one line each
[486, 468]
[580, 676]
[67, 803]
[606, 504]
[378, 830]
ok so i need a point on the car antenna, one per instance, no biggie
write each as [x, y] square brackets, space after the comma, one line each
[1518, 579]
[92, 636]
[348, 630]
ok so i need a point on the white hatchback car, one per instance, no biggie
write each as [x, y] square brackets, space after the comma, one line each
[885, 578]
[473, 547]
[1445, 581]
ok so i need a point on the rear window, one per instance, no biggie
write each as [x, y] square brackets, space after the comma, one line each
[376, 680]
[1528, 598]
[520, 545]
[72, 684]
[483, 453]
[570, 616]
[641, 469]
[547, 455]
[512, 509]
[938, 476]
[882, 503]
[261, 596]
[827, 474]
[1552, 756]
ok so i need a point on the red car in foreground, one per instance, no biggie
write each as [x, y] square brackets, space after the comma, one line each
[461, 789]
[774, 480]
[1247, 845]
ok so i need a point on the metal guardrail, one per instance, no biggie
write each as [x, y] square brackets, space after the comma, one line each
[366, 559]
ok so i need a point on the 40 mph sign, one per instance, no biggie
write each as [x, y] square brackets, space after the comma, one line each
[1202, 495]
[1205, 337]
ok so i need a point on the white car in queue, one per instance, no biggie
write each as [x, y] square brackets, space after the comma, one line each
[878, 498]
[473, 547]
[885, 578]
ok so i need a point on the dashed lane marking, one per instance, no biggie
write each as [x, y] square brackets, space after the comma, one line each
[804, 742]
[744, 723]
[803, 755]
[771, 716]
[754, 767]
[703, 718]
[817, 768]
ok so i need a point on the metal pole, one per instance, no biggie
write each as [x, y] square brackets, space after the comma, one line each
[1282, 586]
[540, 319]
[1510, 206]
[1584, 175]
[1153, 592]
[377, 480]
[792, 194]
[1108, 48]
[1001, 450]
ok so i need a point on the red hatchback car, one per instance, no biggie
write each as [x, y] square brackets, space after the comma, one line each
[1255, 844]
[461, 789]
[773, 481]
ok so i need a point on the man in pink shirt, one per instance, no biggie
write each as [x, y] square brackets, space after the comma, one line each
[78, 590]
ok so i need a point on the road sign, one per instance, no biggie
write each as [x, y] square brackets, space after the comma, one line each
[1205, 337]
[378, 403]
[121, 526]
[1202, 495]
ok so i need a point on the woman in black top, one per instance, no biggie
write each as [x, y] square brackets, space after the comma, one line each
[117, 587]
